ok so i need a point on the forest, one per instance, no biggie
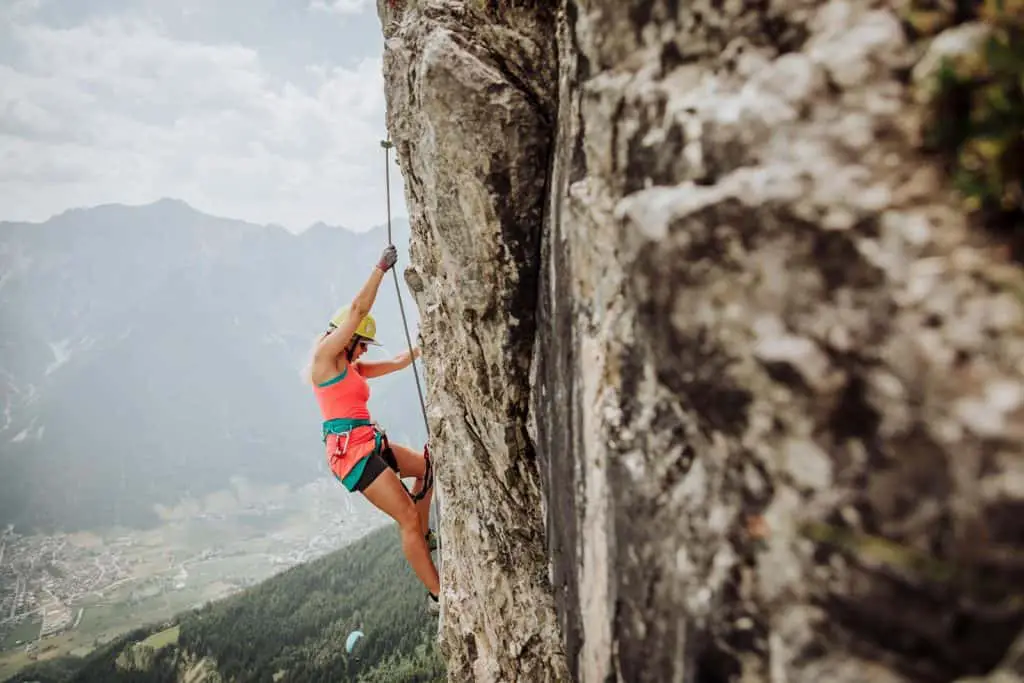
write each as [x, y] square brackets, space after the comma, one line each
[289, 629]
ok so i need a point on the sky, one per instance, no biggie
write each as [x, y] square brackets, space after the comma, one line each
[270, 111]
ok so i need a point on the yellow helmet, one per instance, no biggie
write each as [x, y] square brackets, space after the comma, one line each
[367, 326]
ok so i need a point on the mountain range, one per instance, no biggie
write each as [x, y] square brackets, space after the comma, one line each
[152, 353]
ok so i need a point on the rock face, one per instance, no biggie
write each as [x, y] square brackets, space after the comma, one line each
[723, 386]
[140, 659]
[471, 105]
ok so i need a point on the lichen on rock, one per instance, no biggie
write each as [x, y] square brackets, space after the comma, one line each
[723, 386]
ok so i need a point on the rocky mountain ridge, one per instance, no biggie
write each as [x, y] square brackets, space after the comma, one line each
[153, 353]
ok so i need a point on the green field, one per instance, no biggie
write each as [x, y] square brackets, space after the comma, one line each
[101, 623]
[106, 618]
[25, 632]
[163, 638]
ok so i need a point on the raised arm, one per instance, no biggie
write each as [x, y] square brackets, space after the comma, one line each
[335, 342]
[377, 368]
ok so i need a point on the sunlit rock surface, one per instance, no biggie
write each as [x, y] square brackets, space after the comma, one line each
[723, 387]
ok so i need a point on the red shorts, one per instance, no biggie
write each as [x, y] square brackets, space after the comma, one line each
[346, 452]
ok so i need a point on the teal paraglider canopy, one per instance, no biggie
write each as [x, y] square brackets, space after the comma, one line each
[350, 642]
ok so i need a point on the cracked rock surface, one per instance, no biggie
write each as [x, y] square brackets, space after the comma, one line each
[722, 385]
[469, 109]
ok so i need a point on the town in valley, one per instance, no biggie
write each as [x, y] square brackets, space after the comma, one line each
[66, 593]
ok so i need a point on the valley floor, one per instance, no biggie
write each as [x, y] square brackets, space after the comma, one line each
[68, 593]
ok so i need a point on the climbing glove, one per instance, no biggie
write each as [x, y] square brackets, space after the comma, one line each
[388, 258]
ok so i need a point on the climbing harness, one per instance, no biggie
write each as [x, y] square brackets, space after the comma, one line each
[343, 428]
[428, 474]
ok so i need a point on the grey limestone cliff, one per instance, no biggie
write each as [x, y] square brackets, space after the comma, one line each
[722, 385]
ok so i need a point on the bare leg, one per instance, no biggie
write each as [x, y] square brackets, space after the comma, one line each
[412, 464]
[387, 493]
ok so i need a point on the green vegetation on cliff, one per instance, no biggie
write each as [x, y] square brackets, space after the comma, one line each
[289, 628]
[978, 114]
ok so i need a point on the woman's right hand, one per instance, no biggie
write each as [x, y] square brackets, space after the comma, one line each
[388, 258]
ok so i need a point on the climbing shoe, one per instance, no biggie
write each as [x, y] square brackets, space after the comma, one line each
[433, 604]
[432, 541]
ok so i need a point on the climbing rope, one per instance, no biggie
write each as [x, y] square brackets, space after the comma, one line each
[387, 145]
[428, 475]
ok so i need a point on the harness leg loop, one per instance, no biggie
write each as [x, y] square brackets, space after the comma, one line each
[428, 476]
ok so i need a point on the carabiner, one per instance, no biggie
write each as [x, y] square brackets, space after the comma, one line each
[341, 450]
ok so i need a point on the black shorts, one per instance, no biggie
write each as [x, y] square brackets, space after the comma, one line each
[375, 464]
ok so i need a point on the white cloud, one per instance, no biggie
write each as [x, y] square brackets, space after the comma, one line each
[14, 9]
[341, 6]
[115, 110]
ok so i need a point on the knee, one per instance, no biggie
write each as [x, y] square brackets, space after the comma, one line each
[408, 518]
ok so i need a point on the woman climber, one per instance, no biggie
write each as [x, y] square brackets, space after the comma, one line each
[359, 453]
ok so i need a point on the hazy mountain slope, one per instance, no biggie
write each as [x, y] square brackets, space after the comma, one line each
[150, 353]
[289, 628]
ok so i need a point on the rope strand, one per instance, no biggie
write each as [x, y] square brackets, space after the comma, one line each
[387, 145]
